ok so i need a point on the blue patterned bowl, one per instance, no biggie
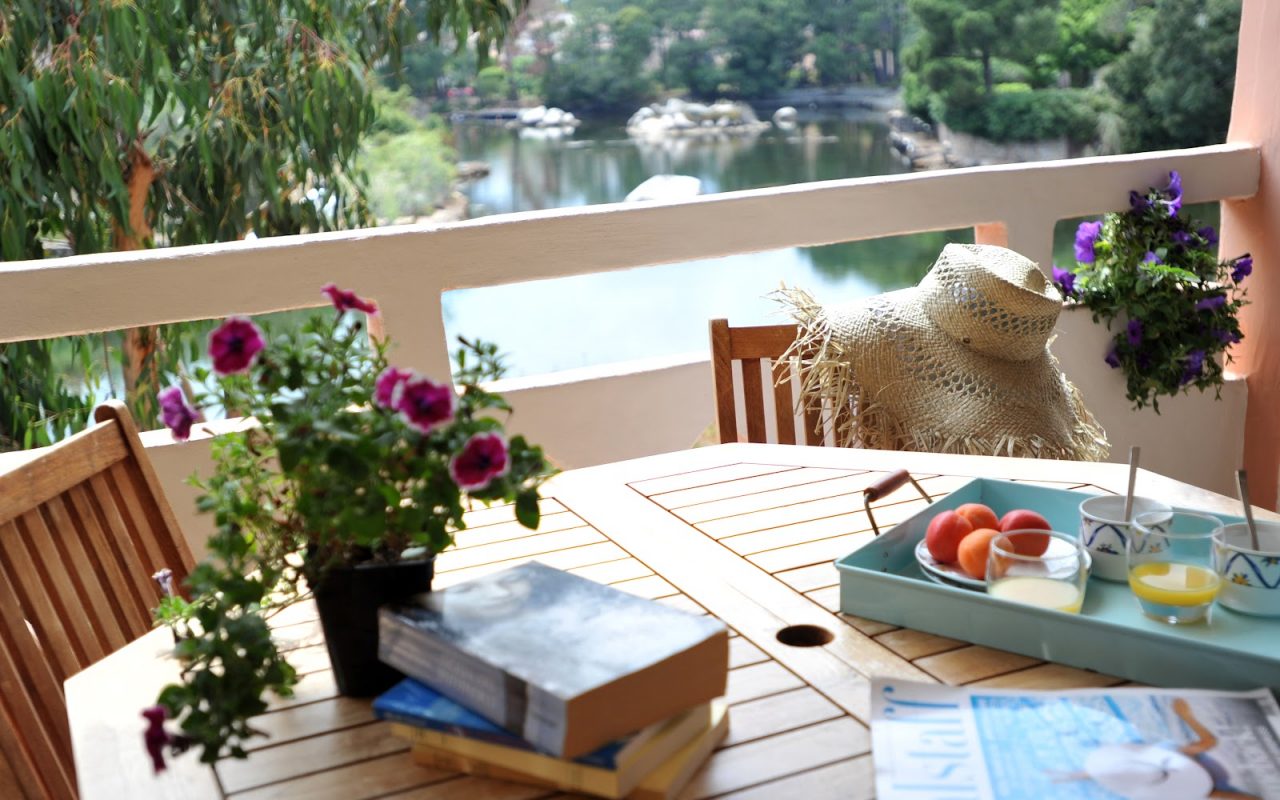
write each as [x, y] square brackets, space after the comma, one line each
[1251, 578]
[1104, 532]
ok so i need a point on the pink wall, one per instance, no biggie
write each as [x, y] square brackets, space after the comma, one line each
[1253, 226]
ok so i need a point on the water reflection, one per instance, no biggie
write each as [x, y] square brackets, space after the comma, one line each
[592, 319]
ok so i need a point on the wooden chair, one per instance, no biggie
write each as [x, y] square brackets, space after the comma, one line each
[83, 527]
[756, 347]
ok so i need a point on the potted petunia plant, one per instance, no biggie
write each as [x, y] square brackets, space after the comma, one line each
[1150, 274]
[347, 479]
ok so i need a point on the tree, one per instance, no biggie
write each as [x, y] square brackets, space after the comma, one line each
[762, 39]
[1091, 34]
[169, 122]
[1173, 87]
[602, 61]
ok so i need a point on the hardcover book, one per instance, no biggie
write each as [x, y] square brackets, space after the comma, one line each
[666, 765]
[563, 662]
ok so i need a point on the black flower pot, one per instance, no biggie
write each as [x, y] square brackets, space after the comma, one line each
[348, 599]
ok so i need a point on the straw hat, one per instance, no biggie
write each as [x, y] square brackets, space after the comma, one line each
[958, 364]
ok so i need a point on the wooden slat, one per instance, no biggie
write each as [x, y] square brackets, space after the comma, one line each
[469, 788]
[507, 531]
[916, 644]
[38, 604]
[52, 574]
[1050, 676]
[59, 466]
[753, 399]
[560, 559]
[373, 778]
[611, 572]
[722, 381]
[972, 663]
[852, 779]
[806, 579]
[140, 523]
[130, 610]
[483, 515]
[137, 575]
[743, 653]
[302, 757]
[656, 486]
[651, 587]
[775, 490]
[760, 680]
[93, 595]
[31, 693]
[524, 547]
[10, 784]
[777, 713]
[783, 405]
[790, 753]
[761, 341]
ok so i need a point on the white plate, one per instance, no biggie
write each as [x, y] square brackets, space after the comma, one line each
[946, 574]
[952, 575]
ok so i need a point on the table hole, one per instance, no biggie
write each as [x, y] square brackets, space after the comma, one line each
[805, 635]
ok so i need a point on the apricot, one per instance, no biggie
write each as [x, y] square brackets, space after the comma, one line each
[1025, 519]
[973, 551]
[979, 516]
[945, 532]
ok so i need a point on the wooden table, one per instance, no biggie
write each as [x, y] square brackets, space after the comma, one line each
[744, 532]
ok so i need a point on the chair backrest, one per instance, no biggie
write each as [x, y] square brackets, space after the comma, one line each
[83, 527]
[759, 351]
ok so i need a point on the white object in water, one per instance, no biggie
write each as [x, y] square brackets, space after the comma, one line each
[666, 187]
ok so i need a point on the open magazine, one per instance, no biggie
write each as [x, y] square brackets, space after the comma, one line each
[933, 741]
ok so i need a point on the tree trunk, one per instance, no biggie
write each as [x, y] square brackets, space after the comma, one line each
[140, 368]
[986, 71]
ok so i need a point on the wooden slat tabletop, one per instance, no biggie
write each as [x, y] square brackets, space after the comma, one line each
[744, 532]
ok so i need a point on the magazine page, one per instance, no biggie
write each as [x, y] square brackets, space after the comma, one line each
[932, 741]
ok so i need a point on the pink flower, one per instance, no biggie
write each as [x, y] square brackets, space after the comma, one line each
[234, 345]
[483, 458]
[344, 300]
[425, 404]
[176, 414]
[384, 389]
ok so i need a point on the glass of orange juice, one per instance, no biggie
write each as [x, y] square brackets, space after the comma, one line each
[1039, 568]
[1172, 572]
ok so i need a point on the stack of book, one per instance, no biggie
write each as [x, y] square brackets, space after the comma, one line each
[536, 675]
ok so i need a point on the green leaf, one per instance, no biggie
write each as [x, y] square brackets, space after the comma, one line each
[528, 512]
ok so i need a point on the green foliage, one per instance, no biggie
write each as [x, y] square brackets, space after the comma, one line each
[1154, 273]
[601, 64]
[207, 119]
[763, 40]
[1091, 34]
[329, 477]
[492, 83]
[1173, 87]
[1019, 114]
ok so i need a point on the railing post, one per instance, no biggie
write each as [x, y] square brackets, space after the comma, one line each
[414, 322]
[1249, 225]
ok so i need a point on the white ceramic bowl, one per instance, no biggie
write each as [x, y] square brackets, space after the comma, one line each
[1104, 532]
[1251, 578]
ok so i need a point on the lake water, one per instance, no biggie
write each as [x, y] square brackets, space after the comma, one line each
[552, 325]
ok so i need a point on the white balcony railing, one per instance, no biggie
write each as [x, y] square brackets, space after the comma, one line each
[600, 414]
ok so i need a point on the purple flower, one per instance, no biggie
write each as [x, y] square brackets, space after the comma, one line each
[155, 738]
[1138, 202]
[1195, 363]
[1134, 332]
[483, 458]
[1209, 235]
[1086, 237]
[1182, 237]
[1065, 280]
[176, 414]
[384, 389]
[1174, 190]
[1113, 357]
[1151, 258]
[1212, 302]
[234, 345]
[1227, 337]
[1243, 268]
[344, 300]
[425, 404]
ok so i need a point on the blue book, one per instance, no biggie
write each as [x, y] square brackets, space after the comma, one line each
[416, 704]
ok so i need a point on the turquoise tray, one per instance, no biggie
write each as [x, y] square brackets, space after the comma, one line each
[881, 581]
